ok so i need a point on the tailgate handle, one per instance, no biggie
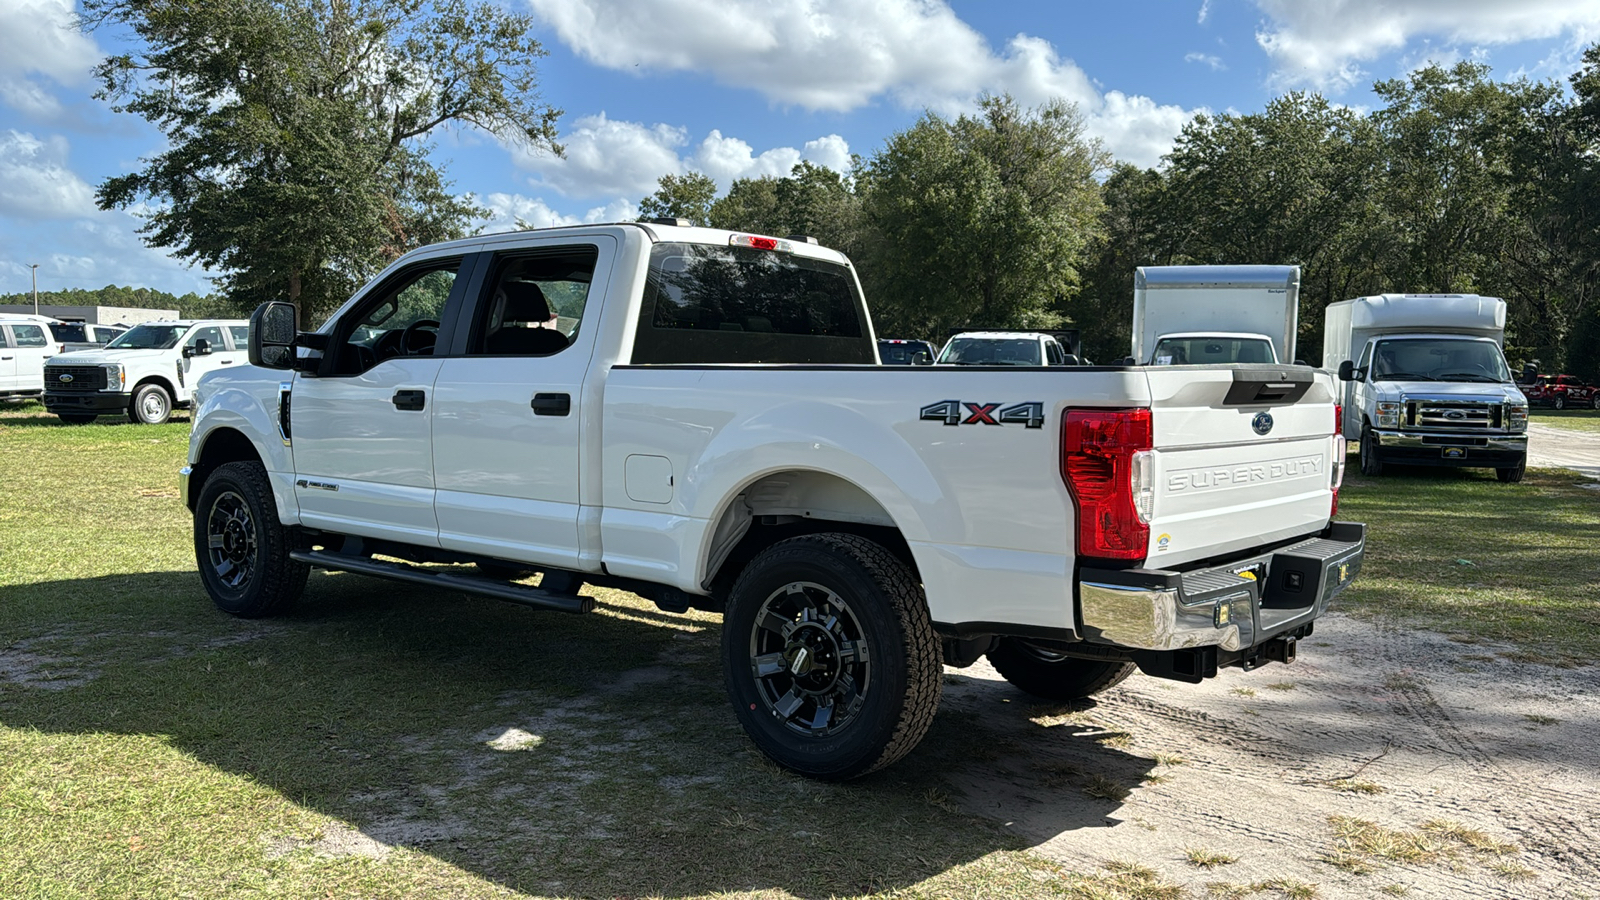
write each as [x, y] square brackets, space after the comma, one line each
[1267, 385]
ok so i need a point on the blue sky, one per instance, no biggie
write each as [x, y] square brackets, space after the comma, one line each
[737, 88]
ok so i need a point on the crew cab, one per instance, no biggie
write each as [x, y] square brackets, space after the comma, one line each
[699, 416]
[145, 372]
[25, 344]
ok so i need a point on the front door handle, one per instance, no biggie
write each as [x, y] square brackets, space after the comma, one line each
[410, 400]
[551, 404]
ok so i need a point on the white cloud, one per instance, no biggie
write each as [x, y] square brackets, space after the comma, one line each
[839, 55]
[38, 37]
[1140, 131]
[35, 182]
[1215, 62]
[506, 209]
[1323, 44]
[1205, 12]
[611, 158]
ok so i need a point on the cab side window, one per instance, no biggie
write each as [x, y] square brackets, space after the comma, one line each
[1053, 351]
[533, 302]
[241, 336]
[211, 334]
[397, 318]
[29, 336]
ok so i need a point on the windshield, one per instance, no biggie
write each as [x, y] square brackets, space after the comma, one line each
[963, 351]
[149, 337]
[1196, 351]
[1438, 359]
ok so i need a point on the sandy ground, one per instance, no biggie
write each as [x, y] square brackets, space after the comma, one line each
[1446, 730]
[1575, 450]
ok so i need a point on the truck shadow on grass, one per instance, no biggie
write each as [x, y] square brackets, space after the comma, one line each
[590, 755]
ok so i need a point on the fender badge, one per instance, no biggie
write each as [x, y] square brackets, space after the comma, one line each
[1262, 423]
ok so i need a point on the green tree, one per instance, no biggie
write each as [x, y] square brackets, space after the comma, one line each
[686, 196]
[751, 205]
[297, 161]
[983, 221]
[1135, 230]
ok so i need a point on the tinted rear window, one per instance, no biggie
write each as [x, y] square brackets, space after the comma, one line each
[69, 331]
[707, 304]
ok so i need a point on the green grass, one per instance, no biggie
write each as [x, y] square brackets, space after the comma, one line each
[386, 741]
[1571, 419]
[1456, 551]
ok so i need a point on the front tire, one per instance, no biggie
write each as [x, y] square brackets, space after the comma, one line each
[151, 405]
[1370, 464]
[240, 546]
[829, 656]
[1513, 474]
[76, 418]
[1052, 676]
[1559, 402]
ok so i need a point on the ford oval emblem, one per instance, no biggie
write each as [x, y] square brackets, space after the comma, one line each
[1455, 414]
[64, 378]
[1262, 423]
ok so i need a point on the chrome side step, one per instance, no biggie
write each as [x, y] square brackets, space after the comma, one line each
[487, 587]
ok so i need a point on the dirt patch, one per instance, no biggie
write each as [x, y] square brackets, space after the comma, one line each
[1559, 447]
[1409, 734]
[338, 840]
[45, 663]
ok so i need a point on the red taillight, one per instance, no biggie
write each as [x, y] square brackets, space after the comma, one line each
[1340, 453]
[1097, 463]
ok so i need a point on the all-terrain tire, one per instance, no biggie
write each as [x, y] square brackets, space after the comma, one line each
[1512, 474]
[1370, 463]
[1052, 676]
[836, 621]
[151, 405]
[76, 418]
[241, 547]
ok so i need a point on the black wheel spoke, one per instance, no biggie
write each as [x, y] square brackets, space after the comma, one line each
[769, 664]
[771, 621]
[824, 712]
[788, 703]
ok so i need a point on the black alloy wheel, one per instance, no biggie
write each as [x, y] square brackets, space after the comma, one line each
[830, 659]
[241, 548]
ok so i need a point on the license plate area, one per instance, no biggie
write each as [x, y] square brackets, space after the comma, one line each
[1453, 452]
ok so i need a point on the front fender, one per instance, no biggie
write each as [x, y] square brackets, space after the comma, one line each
[246, 402]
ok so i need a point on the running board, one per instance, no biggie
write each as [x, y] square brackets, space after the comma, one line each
[500, 590]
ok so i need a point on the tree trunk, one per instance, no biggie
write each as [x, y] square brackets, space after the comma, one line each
[295, 287]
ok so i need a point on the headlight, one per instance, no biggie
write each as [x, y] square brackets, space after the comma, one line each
[115, 377]
[1517, 416]
[1389, 415]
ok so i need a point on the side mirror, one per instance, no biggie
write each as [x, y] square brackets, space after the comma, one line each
[921, 358]
[273, 327]
[201, 347]
[1347, 371]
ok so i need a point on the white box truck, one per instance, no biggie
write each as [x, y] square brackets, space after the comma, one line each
[1426, 382]
[1194, 315]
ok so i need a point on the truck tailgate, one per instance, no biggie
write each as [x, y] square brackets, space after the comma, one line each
[1243, 458]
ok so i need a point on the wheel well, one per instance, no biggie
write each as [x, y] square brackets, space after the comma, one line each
[783, 505]
[223, 446]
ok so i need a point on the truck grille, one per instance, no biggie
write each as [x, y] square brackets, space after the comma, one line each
[78, 379]
[1453, 415]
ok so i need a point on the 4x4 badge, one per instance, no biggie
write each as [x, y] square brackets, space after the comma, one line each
[959, 412]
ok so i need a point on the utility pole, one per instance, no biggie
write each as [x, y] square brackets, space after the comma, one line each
[35, 267]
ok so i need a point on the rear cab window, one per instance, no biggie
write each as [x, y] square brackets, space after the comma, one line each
[29, 336]
[713, 304]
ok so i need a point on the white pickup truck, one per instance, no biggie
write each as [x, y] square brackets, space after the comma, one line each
[145, 372]
[699, 416]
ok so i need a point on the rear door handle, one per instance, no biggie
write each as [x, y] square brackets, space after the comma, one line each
[551, 404]
[410, 400]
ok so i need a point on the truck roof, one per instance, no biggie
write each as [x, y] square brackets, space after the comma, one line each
[657, 232]
[1215, 276]
[1426, 312]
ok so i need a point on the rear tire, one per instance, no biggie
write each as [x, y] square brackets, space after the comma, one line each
[1050, 675]
[76, 418]
[1513, 474]
[829, 656]
[151, 405]
[240, 546]
[1370, 464]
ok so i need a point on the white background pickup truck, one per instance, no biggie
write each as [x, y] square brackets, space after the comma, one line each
[699, 416]
[145, 372]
